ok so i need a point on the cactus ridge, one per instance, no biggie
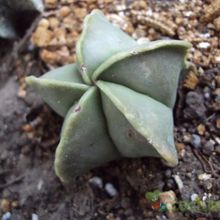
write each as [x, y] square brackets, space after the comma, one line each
[117, 99]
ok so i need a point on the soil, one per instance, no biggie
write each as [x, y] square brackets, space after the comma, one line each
[29, 132]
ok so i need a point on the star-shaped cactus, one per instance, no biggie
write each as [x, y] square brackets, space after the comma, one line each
[117, 99]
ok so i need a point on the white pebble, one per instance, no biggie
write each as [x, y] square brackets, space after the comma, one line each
[204, 45]
[111, 190]
[34, 217]
[204, 176]
[120, 7]
[6, 216]
[40, 184]
[196, 141]
[194, 196]
[143, 40]
[217, 139]
[96, 181]
[149, 12]
[207, 95]
[205, 35]
[205, 197]
[217, 59]
[121, 14]
[178, 181]
[188, 13]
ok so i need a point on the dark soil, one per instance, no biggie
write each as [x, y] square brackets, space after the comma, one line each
[29, 133]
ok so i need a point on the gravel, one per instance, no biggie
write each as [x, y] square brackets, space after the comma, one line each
[196, 141]
[111, 190]
[6, 216]
[196, 107]
[208, 147]
[96, 181]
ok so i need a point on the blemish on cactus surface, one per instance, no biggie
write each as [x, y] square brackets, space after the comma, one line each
[130, 104]
[77, 109]
[94, 81]
[133, 52]
[130, 133]
[83, 69]
[150, 141]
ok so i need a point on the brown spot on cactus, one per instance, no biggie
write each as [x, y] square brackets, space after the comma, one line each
[124, 93]
[130, 135]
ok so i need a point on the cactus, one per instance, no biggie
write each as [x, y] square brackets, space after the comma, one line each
[117, 99]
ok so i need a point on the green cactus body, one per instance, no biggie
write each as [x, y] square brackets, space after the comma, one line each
[117, 99]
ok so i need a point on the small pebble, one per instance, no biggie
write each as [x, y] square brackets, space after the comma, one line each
[196, 141]
[201, 129]
[170, 183]
[195, 102]
[34, 217]
[207, 95]
[193, 197]
[143, 40]
[217, 59]
[208, 147]
[205, 196]
[44, 23]
[128, 212]
[64, 11]
[205, 35]
[217, 149]
[178, 181]
[168, 197]
[188, 13]
[125, 203]
[53, 22]
[207, 92]
[217, 98]
[50, 3]
[96, 181]
[5, 205]
[204, 45]
[149, 12]
[40, 184]
[207, 184]
[204, 176]
[6, 216]
[168, 173]
[111, 190]
[189, 175]
[217, 139]
[15, 204]
[187, 138]
[120, 7]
